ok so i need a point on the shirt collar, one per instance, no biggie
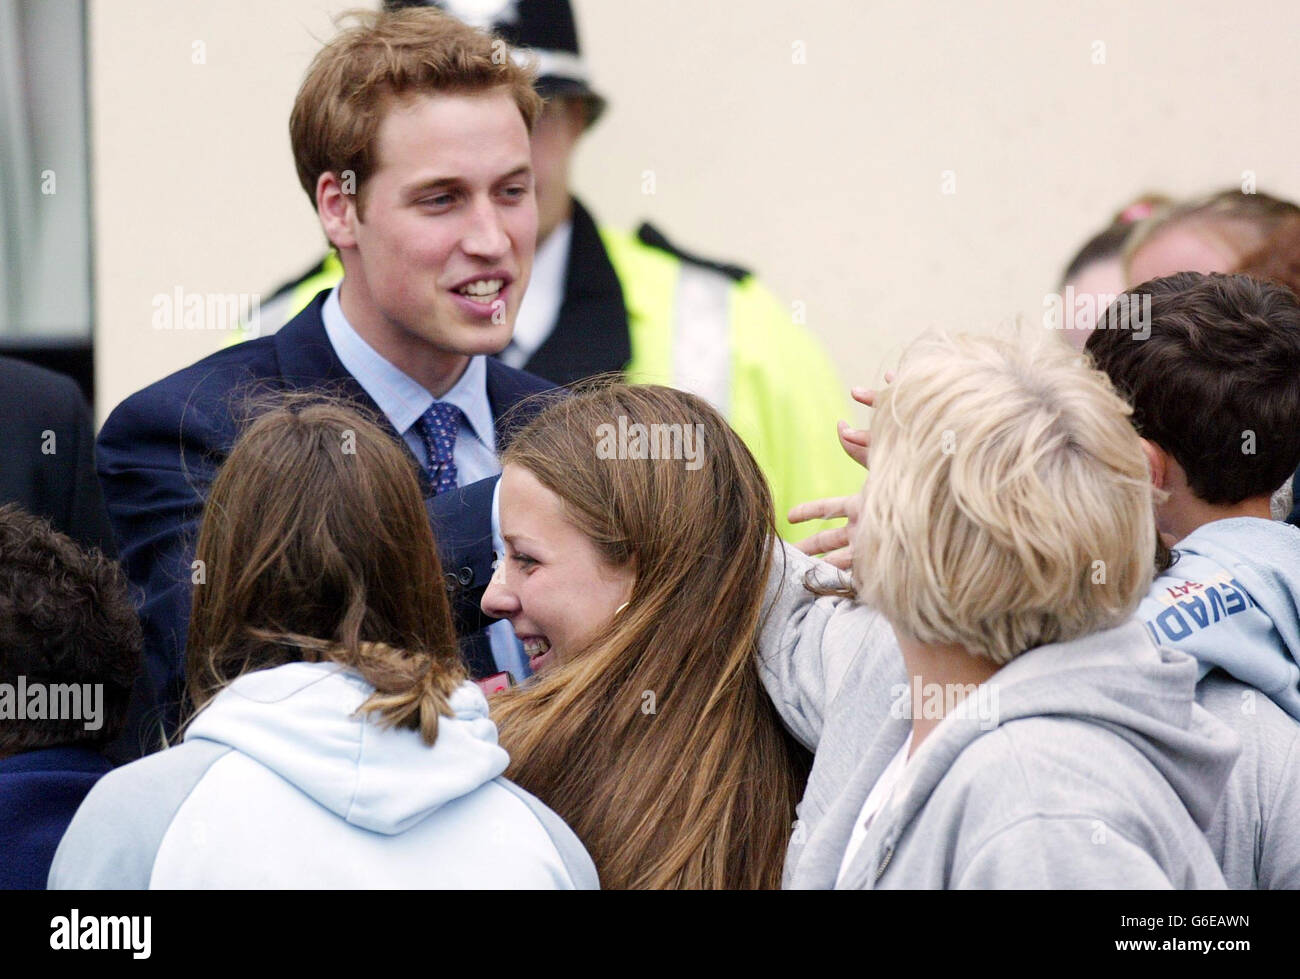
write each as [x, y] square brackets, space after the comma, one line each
[469, 394]
[401, 398]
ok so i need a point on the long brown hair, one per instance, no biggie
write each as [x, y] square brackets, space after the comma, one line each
[315, 546]
[657, 743]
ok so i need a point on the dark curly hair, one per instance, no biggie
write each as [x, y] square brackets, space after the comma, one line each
[1216, 384]
[66, 617]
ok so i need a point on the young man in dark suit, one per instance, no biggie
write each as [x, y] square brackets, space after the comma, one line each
[603, 300]
[411, 137]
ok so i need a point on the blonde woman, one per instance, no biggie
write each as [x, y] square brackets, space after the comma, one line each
[992, 714]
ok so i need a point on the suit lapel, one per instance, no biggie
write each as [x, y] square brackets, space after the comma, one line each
[307, 360]
[510, 396]
[591, 333]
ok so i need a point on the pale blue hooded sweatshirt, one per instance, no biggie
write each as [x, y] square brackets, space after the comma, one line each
[281, 784]
[1232, 600]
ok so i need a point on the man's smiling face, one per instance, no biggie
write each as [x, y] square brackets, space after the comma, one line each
[442, 249]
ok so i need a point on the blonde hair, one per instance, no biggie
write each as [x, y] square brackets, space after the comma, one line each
[386, 55]
[1009, 503]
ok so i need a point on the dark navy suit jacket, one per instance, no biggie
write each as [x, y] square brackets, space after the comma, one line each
[160, 449]
[46, 453]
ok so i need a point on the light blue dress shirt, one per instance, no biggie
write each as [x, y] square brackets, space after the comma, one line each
[404, 401]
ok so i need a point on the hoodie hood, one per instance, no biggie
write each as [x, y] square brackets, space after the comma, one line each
[1116, 679]
[300, 721]
[1232, 600]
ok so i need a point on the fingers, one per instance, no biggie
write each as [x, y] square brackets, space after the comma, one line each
[856, 436]
[841, 558]
[854, 442]
[853, 508]
[830, 540]
[867, 396]
[808, 545]
[825, 542]
[825, 509]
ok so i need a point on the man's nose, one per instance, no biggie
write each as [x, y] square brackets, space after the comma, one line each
[486, 236]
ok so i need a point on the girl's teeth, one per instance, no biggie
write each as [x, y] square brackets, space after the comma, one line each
[484, 291]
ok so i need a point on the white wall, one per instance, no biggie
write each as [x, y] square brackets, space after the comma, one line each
[193, 179]
[823, 176]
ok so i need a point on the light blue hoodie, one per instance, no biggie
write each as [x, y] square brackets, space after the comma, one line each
[1232, 600]
[281, 784]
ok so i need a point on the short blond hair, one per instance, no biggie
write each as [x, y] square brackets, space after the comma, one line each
[1009, 503]
[385, 56]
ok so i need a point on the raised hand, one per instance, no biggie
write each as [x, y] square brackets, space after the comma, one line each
[836, 545]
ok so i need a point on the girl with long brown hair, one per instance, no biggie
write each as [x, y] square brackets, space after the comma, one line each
[639, 538]
[337, 741]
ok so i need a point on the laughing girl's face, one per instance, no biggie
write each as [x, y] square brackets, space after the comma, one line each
[552, 584]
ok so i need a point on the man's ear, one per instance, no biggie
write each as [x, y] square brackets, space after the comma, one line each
[1157, 462]
[337, 210]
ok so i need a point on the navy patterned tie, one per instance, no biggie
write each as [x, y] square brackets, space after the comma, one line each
[438, 427]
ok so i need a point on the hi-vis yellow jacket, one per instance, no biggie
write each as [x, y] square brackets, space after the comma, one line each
[635, 303]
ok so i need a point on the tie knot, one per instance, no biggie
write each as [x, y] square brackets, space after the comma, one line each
[441, 417]
[439, 426]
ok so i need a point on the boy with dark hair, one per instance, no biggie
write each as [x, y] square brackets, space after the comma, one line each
[1211, 367]
[69, 651]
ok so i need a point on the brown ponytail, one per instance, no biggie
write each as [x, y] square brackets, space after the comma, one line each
[409, 692]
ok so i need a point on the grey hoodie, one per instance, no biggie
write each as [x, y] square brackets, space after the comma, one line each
[1256, 828]
[1098, 769]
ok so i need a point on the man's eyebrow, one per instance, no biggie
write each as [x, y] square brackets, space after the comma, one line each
[442, 183]
[437, 183]
[523, 170]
